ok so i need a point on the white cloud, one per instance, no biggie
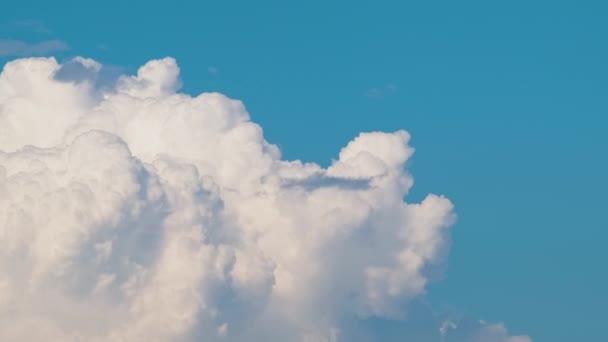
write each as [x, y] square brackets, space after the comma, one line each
[445, 327]
[137, 213]
[497, 333]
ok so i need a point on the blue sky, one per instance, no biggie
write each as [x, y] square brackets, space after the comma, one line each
[506, 103]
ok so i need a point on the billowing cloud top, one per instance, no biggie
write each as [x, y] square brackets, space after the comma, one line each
[137, 213]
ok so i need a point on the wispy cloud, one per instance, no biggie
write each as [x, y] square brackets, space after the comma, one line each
[213, 71]
[103, 47]
[31, 25]
[12, 47]
[379, 92]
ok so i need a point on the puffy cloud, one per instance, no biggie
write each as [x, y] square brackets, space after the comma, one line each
[138, 213]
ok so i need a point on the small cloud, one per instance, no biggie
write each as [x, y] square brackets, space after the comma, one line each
[222, 330]
[379, 92]
[102, 47]
[213, 71]
[373, 92]
[445, 327]
[10, 47]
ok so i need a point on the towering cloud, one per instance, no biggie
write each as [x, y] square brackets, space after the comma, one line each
[137, 213]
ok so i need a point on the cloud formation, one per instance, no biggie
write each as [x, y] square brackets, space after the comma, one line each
[31, 25]
[380, 92]
[133, 212]
[19, 48]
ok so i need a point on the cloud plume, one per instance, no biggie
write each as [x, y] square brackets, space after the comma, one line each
[138, 213]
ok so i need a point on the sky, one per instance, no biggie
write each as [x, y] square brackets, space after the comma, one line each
[505, 104]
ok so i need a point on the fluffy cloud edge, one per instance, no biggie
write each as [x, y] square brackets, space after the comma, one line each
[171, 216]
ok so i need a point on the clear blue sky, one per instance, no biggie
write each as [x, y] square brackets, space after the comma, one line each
[507, 103]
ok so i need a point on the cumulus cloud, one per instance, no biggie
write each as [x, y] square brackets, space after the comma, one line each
[134, 212]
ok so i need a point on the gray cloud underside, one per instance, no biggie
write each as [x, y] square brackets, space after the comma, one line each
[10, 47]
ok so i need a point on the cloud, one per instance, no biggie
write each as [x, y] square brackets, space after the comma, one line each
[379, 92]
[497, 333]
[9, 47]
[32, 25]
[420, 325]
[213, 71]
[480, 331]
[133, 212]
[79, 69]
[424, 324]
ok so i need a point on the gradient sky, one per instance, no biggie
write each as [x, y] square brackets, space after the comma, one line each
[506, 103]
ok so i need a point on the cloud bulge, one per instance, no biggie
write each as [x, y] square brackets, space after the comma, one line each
[133, 212]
